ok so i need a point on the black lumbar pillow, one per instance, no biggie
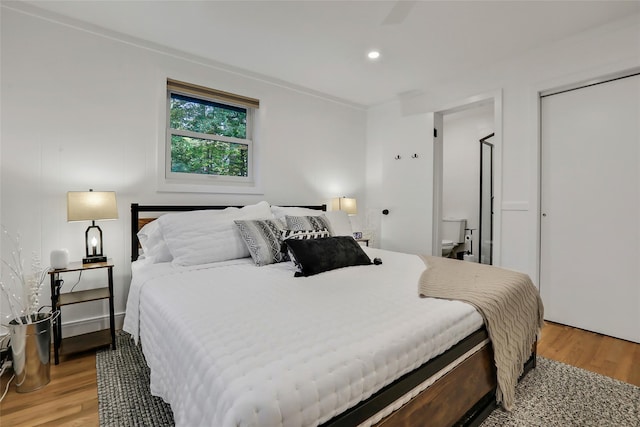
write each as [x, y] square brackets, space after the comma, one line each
[318, 255]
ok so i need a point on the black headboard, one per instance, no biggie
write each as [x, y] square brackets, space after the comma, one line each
[137, 223]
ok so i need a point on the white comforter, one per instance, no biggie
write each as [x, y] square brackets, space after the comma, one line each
[232, 344]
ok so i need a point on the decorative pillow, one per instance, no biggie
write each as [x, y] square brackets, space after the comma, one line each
[313, 256]
[154, 248]
[301, 235]
[308, 223]
[205, 236]
[263, 238]
[305, 234]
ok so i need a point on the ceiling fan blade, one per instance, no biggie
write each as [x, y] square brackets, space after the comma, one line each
[399, 12]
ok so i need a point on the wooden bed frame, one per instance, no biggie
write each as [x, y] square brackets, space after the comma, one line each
[464, 396]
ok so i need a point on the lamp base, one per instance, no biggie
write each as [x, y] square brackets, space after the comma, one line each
[94, 259]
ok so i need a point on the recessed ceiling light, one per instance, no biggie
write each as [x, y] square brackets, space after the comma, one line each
[374, 54]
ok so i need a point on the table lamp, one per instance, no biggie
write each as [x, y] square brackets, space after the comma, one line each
[344, 204]
[92, 206]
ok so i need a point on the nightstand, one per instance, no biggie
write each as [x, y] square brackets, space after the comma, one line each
[60, 299]
[361, 241]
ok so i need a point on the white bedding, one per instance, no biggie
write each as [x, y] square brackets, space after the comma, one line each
[232, 344]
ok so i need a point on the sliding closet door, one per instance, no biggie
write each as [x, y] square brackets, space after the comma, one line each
[590, 225]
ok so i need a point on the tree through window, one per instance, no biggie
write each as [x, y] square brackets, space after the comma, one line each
[206, 136]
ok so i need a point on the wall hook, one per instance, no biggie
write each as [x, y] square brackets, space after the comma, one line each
[397, 157]
[414, 156]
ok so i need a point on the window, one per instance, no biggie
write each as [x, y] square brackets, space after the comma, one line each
[209, 135]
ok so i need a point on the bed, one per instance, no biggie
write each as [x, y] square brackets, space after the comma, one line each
[230, 343]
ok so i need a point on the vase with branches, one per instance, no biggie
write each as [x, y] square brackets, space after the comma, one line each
[21, 287]
[30, 330]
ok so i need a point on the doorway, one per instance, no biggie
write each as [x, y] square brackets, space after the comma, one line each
[464, 152]
[485, 220]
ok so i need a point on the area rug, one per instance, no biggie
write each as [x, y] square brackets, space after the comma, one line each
[559, 395]
[124, 397]
[552, 395]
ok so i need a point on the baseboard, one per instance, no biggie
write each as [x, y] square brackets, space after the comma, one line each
[83, 326]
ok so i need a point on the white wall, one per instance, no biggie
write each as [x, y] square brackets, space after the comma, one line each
[597, 52]
[461, 162]
[403, 186]
[81, 110]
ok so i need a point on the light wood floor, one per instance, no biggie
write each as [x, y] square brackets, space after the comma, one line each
[71, 398]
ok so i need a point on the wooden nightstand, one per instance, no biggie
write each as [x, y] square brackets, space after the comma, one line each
[361, 241]
[58, 300]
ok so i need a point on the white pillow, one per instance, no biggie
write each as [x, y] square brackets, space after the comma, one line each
[204, 236]
[153, 245]
[340, 223]
[280, 212]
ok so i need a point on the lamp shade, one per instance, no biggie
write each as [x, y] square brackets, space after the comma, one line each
[91, 205]
[344, 204]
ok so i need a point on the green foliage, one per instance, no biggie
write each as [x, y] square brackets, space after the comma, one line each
[208, 155]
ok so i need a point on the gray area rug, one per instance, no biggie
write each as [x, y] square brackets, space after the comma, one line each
[124, 397]
[552, 395]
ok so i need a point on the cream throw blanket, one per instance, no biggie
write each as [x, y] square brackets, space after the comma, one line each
[508, 302]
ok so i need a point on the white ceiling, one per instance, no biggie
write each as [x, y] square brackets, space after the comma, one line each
[322, 45]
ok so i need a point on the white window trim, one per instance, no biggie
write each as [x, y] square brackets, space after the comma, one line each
[195, 183]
